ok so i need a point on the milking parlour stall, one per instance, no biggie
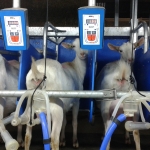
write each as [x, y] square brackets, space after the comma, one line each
[74, 75]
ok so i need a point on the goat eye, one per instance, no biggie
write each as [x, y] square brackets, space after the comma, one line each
[72, 46]
[37, 80]
[120, 51]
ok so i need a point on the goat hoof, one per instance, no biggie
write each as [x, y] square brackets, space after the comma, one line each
[76, 144]
[62, 143]
[1, 141]
[21, 143]
[127, 141]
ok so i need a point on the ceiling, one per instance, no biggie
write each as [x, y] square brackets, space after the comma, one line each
[64, 13]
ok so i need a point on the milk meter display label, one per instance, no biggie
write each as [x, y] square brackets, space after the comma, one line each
[91, 29]
[13, 28]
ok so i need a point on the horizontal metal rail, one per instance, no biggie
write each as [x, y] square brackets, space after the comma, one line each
[63, 94]
[110, 94]
[9, 53]
[74, 32]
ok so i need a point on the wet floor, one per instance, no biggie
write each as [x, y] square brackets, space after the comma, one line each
[89, 136]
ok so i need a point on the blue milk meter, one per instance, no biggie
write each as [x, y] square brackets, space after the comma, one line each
[14, 23]
[91, 27]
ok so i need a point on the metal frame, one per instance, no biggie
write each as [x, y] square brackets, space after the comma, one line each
[16, 3]
[66, 94]
[109, 94]
[91, 2]
[134, 20]
[146, 34]
[45, 39]
[74, 32]
[116, 13]
[135, 27]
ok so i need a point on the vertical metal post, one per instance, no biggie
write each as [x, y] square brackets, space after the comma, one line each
[134, 21]
[91, 2]
[116, 24]
[16, 3]
[146, 34]
[56, 52]
[149, 30]
[45, 39]
[148, 24]
[149, 21]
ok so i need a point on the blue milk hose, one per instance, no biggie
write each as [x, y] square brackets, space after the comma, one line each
[110, 131]
[46, 137]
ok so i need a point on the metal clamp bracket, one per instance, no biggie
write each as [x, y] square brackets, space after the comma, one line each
[57, 40]
[110, 93]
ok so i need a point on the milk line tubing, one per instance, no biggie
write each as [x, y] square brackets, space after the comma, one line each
[68, 94]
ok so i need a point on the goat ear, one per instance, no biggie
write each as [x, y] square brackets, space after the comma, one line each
[34, 67]
[139, 42]
[113, 47]
[33, 59]
[67, 45]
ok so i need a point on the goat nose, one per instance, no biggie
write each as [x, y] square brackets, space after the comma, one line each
[130, 60]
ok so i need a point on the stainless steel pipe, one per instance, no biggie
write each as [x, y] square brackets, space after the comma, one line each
[16, 3]
[116, 13]
[134, 20]
[45, 29]
[63, 94]
[146, 34]
[91, 2]
[80, 94]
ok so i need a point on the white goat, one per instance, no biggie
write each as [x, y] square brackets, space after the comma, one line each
[9, 81]
[65, 76]
[116, 75]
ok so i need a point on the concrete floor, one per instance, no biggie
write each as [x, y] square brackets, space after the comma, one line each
[89, 136]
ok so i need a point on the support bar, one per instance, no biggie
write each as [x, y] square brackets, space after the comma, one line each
[45, 39]
[67, 94]
[116, 13]
[91, 2]
[134, 20]
[16, 3]
[80, 94]
[74, 32]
